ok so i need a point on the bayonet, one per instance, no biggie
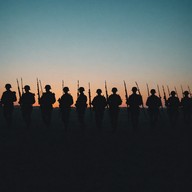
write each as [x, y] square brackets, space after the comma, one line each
[148, 90]
[77, 88]
[22, 85]
[38, 91]
[126, 94]
[89, 93]
[106, 92]
[19, 90]
[41, 87]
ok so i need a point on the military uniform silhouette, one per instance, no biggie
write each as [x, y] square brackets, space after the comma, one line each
[186, 104]
[65, 103]
[46, 101]
[99, 103]
[172, 105]
[153, 102]
[26, 101]
[134, 102]
[81, 105]
[7, 100]
[114, 101]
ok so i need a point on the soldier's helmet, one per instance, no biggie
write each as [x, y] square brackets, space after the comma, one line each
[153, 91]
[81, 89]
[99, 91]
[173, 93]
[47, 87]
[66, 89]
[186, 93]
[27, 87]
[114, 90]
[134, 89]
[8, 86]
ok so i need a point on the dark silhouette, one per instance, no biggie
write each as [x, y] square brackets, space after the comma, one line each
[26, 101]
[81, 105]
[186, 104]
[153, 102]
[172, 105]
[46, 101]
[114, 101]
[99, 103]
[65, 103]
[134, 102]
[7, 100]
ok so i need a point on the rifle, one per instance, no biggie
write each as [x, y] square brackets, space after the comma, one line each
[189, 91]
[148, 89]
[106, 92]
[164, 95]
[139, 93]
[168, 90]
[159, 94]
[41, 87]
[38, 91]
[126, 94]
[89, 93]
[77, 88]
[22, 85]
[19, 90]
[176, 92]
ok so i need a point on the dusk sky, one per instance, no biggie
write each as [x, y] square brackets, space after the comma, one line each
[148, 41]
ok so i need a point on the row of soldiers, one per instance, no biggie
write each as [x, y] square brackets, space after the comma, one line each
[99, 103]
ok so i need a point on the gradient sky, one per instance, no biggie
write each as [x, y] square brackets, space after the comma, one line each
[148, 41]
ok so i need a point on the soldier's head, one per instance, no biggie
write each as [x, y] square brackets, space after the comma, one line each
[27, 88]
[8, 86]
[81, 89]
[99, 91]
[66, 89]
[153, 91]
[47, 87]
[114, 90]
[173, 93]
[186, 93]
[134, 89]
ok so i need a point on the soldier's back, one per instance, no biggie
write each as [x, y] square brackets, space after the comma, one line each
[153, 102]
[27, 99]
[114, 101]
[66, 101]
[8, 98]
[99, 102]
[134, 101]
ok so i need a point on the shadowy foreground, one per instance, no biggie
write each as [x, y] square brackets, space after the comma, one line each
[40, 159]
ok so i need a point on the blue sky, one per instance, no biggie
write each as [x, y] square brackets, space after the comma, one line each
[96, 40]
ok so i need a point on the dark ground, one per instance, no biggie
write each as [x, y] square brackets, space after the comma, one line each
[52, 160]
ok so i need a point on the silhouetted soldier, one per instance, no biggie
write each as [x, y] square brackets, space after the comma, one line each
[99, 103]
[172, 105]
[7, 100]
[46, 101]
[114, 101]
[134, 102]
[186, 103]
[26, 101]
[81, 105]
[153, 102]
[65, 103]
